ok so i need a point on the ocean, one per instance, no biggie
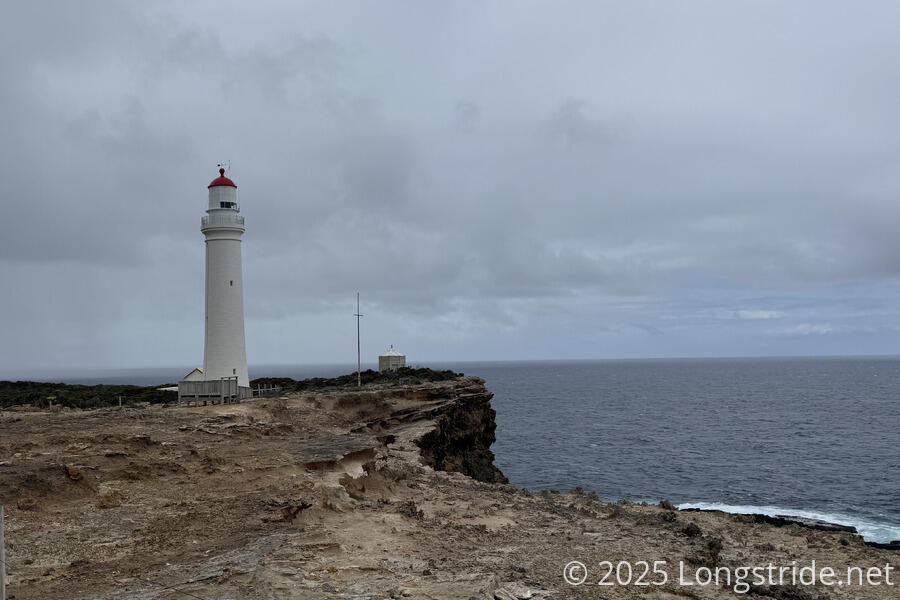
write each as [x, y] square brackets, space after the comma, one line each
[810, 437]
[817, 438]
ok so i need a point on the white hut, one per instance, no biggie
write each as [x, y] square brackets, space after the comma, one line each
[391, 360]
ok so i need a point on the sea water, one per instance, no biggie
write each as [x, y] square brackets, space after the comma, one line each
[816, 438]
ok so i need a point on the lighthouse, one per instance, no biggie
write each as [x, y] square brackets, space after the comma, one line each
[224, 375]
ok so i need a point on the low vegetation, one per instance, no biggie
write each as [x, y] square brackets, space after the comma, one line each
[402, 376]
[44, 394]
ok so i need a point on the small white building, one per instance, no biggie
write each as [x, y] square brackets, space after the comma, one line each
[391, 360]
[195, 375]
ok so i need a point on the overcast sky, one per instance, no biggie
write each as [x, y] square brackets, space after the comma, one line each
[499, 180]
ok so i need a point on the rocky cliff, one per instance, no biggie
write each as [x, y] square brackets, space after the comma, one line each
[463, 433]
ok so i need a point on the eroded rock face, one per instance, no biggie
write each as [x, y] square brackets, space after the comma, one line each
[452, 422]
[463, 434]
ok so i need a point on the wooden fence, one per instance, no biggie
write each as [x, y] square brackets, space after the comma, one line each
[220, 391]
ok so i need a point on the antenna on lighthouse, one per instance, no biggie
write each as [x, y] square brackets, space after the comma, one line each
[358, 363]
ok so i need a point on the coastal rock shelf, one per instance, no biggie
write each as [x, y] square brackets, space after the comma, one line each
[388, 491]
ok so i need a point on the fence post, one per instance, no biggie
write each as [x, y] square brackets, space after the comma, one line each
[2, 557]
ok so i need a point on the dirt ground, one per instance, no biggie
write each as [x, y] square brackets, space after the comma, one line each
[327, 496]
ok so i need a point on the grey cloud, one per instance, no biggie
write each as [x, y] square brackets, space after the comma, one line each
[466, 114]
[804, 329]
[571, 126]
[605, 181]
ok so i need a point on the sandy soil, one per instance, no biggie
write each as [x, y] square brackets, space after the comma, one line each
[328, 496]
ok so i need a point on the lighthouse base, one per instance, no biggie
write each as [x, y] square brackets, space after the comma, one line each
[217, 391]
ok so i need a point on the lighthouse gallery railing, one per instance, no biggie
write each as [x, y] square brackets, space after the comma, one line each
[228, 219]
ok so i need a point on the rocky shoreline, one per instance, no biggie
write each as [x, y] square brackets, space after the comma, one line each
[816, 524]
[385, 492]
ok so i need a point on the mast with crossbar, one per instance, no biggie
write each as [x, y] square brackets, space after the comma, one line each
[358, 362]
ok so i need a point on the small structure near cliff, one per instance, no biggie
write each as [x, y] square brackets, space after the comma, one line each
[391, 360]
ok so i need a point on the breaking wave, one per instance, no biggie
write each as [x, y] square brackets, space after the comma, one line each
[871, 531]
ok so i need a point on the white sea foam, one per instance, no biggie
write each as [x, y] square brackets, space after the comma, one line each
[871, 531]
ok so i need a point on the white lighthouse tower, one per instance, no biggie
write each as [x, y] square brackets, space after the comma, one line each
[224, 374]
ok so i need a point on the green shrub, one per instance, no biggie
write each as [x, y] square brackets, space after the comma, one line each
[402, 376]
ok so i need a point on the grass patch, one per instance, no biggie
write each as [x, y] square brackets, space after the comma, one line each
[43, 394]
[402, 376]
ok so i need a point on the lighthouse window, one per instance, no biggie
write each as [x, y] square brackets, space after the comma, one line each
[231, 283]
[234, 371]
[227, 204]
